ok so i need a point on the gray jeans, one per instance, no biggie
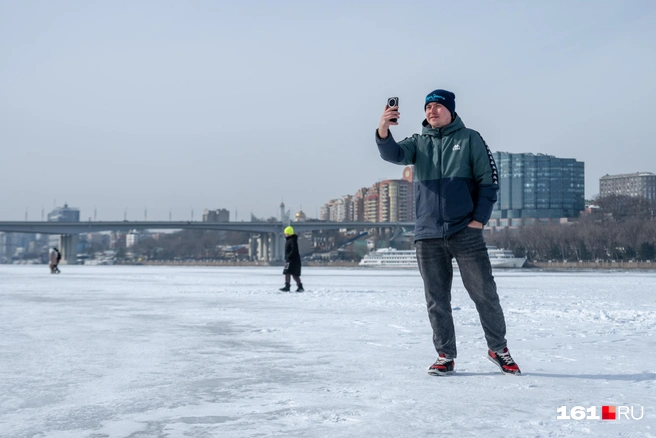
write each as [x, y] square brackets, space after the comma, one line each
[434, 258]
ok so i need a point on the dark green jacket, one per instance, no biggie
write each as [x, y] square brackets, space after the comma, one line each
[456, 177]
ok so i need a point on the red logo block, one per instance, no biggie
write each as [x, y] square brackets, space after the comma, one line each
[608, 413]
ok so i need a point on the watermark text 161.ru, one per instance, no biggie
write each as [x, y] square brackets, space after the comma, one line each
[607, 413]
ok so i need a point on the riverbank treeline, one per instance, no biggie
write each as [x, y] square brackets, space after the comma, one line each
[615, 228]
[589, 239]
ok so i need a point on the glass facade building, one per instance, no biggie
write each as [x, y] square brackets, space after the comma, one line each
[538, 186]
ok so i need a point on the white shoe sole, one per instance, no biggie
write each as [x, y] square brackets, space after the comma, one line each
[433, 373]
[440, 373]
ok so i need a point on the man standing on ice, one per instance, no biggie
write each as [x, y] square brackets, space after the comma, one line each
[456, 187]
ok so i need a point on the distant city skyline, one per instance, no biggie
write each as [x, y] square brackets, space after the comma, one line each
[171, 106]
[223, 215]
[197, 214]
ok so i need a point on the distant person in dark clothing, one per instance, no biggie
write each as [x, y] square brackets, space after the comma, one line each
[54, 257]
[292, 261]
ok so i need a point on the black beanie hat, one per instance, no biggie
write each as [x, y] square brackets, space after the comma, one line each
[443, 97]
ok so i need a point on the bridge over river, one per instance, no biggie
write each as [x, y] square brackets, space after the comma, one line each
[267, 239]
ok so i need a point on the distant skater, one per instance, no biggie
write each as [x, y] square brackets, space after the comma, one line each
[292, 261]
[54, 258]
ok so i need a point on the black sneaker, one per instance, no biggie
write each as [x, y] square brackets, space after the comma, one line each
[442, 366]
[504, 361]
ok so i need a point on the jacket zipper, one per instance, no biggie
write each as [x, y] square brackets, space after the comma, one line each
[440, 151]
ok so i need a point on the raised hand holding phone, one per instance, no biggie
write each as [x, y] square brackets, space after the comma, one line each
[389, 117]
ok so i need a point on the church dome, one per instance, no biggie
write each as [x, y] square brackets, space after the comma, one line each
[300, 216]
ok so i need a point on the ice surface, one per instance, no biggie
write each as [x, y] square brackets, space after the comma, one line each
[111, 351]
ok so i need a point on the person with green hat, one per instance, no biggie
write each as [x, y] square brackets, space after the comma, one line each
[292, 261]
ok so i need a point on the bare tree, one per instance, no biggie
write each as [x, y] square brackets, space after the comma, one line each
[563, 235]
[631, 233]
[592, 235]
[622, 207]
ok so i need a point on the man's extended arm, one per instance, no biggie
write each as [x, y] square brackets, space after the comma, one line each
[402, 152]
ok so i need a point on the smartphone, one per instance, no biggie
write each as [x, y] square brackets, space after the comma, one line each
[392, 101]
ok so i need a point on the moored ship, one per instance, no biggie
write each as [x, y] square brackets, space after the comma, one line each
[396, 258]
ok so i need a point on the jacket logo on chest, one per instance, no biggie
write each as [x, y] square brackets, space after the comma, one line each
[456, 147]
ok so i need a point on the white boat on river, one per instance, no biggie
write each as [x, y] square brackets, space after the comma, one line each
[396, 258]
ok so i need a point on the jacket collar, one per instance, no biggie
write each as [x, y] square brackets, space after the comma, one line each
[456, 124]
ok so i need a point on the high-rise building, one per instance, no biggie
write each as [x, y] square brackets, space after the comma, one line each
[328, 211]
[537, 186]
[338, 211]
[639, 184]
[396, 201]
[220, 215]
[409, 175]
[64, 214]
[324, 212]
[358, 204]
[345, 209]
[371, 202]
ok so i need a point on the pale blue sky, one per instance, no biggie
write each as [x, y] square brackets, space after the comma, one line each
[220, 104]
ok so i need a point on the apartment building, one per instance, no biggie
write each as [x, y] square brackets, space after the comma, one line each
[639, 184]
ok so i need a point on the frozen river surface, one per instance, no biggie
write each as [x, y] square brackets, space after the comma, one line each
[219, 352]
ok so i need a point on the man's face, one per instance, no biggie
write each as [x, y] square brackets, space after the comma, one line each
[437, 115]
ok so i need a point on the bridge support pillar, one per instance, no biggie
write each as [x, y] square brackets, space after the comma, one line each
[253, 241]
[68, 248]
[274, 246]
[260, 247]
[279, 253]
[267, 247]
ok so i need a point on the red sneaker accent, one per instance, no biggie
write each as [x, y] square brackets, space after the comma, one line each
[441, 366]
[504, 361]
